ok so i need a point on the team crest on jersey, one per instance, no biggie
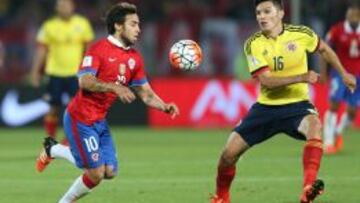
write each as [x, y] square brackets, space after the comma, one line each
[95, 156]
[253, 60]
[131, 63]
[291, 46]
[122, 69]
[78, 28]
[265, 52]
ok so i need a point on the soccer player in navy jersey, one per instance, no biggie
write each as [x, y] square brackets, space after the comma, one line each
[110, 67]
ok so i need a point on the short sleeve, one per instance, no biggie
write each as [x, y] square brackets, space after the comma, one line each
[254, 56]
[90, 63]
[88, 31]
[331, 36]
[139, 77]
[42, 36]
[312, 40]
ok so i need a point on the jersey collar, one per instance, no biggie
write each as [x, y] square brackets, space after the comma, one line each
[117, 42]
[348, 28]
[281, 33]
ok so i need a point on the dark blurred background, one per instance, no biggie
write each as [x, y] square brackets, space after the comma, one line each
[220, 92]
[220, 26]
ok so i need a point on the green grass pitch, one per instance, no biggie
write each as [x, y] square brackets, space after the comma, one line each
[177, 166]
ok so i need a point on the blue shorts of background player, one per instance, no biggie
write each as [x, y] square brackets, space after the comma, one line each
[57, 86]
[91, 145]
[340, 93]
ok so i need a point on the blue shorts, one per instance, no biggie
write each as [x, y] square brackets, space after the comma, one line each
[264, 121]
[91, 145]
[340, 93]
[59, 85]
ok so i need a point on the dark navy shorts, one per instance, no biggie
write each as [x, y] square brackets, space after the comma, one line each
[57, 86]
[264, 121]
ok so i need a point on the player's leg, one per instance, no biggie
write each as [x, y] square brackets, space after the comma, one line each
[86, 148]
[70, 86]
[234, 148]
[345, 120]
[108, 151]
[63, 152]
[52, 149]
[84, 184]
[352, 101]
[53, 96]
[337, 94]
[50, 125]
[330, 120]
[254, 129]
[310, 126]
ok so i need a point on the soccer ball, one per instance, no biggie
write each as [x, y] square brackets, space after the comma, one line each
[185, 55]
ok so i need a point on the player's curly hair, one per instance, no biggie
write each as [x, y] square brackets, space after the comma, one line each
[117, 14]
[278, 3]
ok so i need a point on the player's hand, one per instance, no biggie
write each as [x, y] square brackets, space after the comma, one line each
[125, 94]
[35, 78]
[311, 77]
[172, 109]
[350, 81]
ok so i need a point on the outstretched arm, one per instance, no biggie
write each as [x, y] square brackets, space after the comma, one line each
[150, 98]
[330, 57]
[270, 82]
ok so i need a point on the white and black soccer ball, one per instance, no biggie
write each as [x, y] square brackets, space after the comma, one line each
[185, 54]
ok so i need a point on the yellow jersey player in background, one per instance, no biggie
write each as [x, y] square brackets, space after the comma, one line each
[61, 40]
[277, 57]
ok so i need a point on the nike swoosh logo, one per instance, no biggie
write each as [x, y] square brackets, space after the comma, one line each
[112, 59]
[15, 114]
[313, 111]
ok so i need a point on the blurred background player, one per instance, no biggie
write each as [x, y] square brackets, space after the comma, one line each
[110, 67]
[344, 37]
[61, 44]
[277, 57]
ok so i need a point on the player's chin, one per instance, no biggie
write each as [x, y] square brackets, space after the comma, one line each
[264, 28]
[133, 40]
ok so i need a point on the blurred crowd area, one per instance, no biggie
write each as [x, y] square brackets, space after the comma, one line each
[220, 26]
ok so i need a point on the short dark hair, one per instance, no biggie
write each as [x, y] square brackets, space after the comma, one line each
[278, 3]
[117, 14]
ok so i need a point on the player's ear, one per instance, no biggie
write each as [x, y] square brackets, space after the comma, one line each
[281, 13]
[118, 27]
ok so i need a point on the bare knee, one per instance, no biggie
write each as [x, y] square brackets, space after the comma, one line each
[96, 174]
[311, 127]
[110, 173]
[234, 148]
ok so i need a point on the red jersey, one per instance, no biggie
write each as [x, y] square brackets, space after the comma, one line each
[346, 42]
[110, 62]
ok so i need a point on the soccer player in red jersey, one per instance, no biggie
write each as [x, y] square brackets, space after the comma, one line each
[345, 38]
[277, 57]
[109, 69]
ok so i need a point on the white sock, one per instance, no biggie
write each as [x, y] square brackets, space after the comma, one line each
[344, 122]
[77, 190]
[329, 127]
[62, 151]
